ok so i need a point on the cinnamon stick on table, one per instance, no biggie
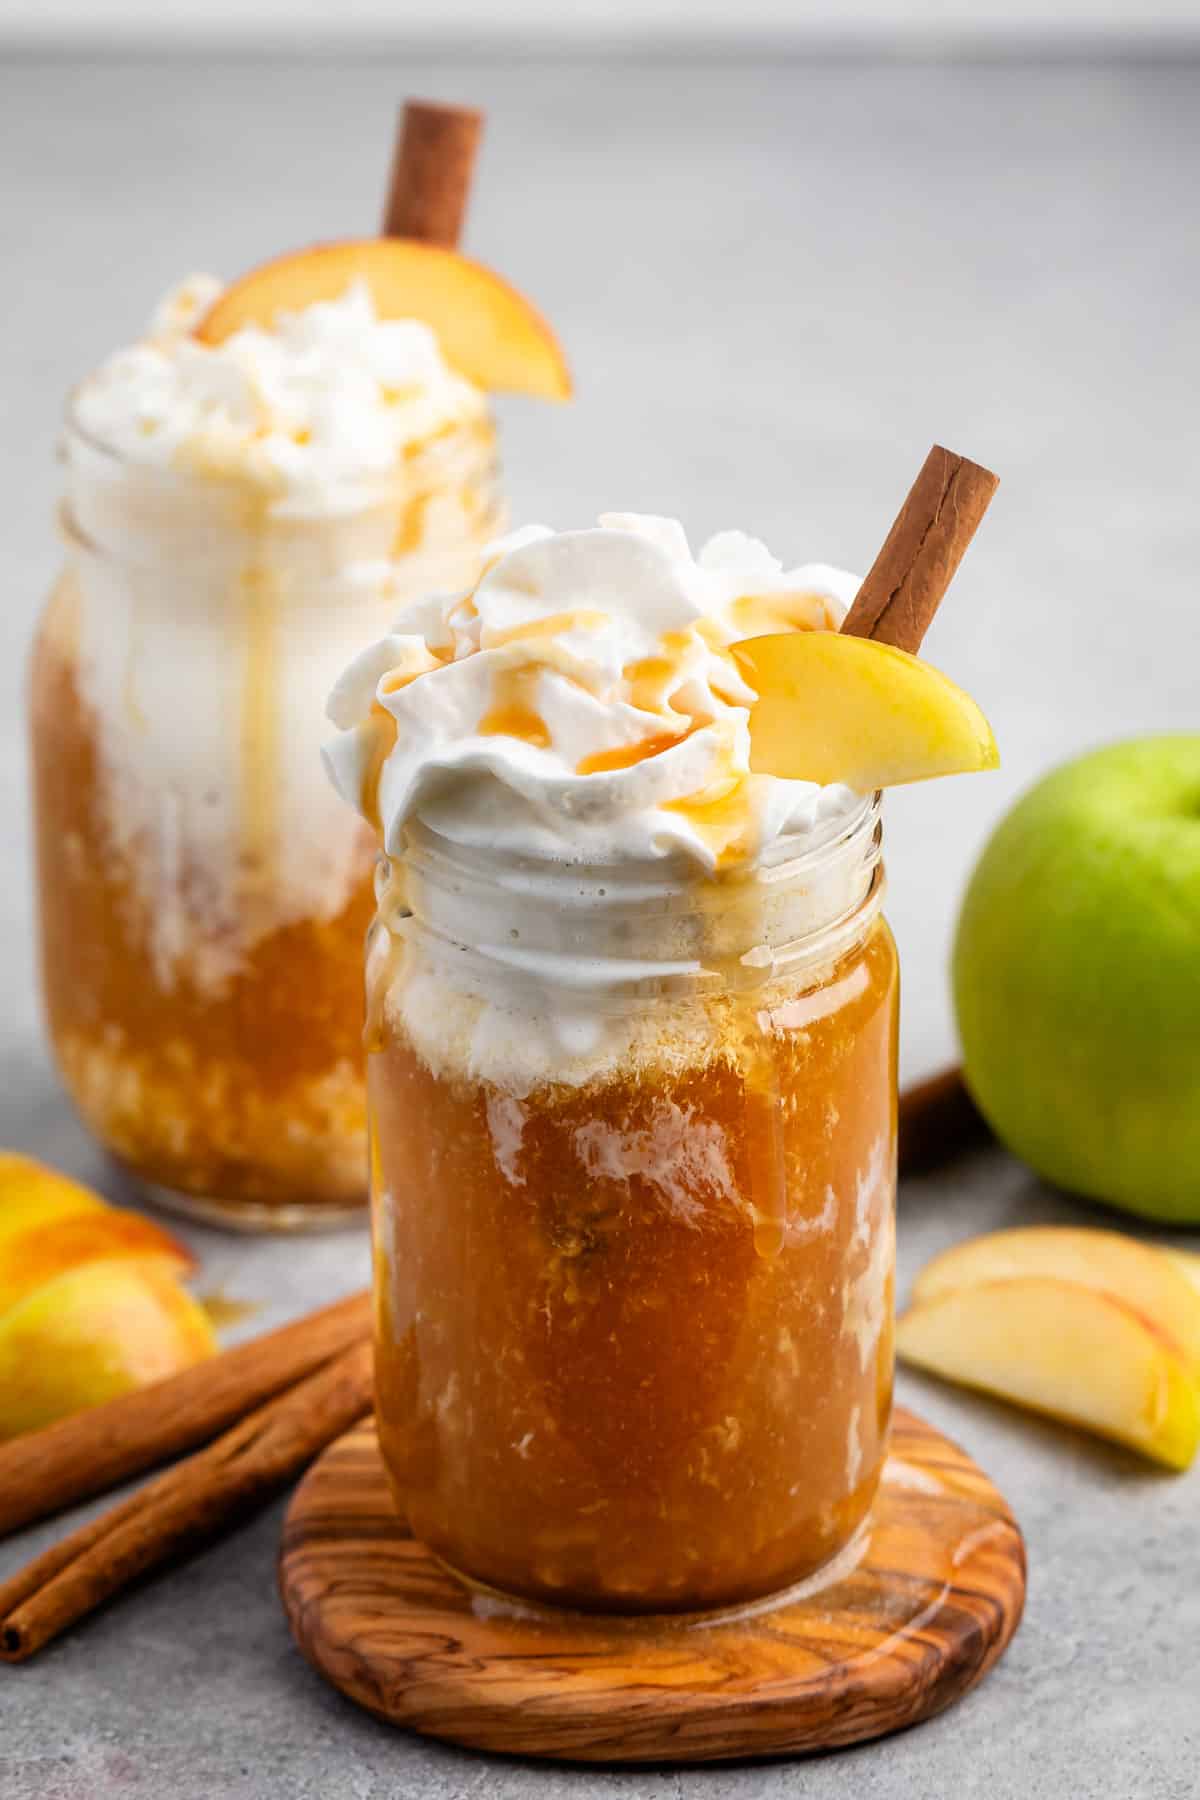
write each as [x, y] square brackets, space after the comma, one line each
[431, 172]
[938, 1119]
[909, 577]
[188, 1504]
[44, 1471]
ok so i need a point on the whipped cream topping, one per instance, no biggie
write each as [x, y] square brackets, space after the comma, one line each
[239, 519]
[580, 704]
[313, 412]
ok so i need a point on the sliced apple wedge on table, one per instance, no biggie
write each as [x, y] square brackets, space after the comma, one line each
[32, 1194]
[1070, 1351]
[90, 1298]
[1093, 1327]
[37, 1253]
[487, 330]
[837, 708]
[91, 1334]
[1145, 1278]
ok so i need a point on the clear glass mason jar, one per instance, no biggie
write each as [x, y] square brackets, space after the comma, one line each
[203, 895]
[633, 1170]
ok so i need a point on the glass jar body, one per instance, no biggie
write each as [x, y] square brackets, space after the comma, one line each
[635, 1345]
[202, 897]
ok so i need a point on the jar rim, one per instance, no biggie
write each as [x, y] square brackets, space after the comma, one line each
[535, 926]
[563, 881]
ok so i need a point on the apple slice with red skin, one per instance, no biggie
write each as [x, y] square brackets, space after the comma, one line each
[1057, 1347]
[1141, 1275]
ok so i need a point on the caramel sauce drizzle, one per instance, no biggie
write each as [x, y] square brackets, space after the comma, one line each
[513, 712]
[757, 615]
[583, 619]
[627, 756]
[385, 729]
[410, 530]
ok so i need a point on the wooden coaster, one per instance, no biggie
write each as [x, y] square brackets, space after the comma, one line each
[913, 1624]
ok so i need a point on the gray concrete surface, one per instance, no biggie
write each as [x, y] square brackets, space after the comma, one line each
[779, 283]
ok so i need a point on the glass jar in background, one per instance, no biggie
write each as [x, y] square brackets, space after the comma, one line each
[633, 1171]
[202, 893]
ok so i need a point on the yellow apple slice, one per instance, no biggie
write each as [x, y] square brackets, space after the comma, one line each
[41, 1253]
[93, 1333]
[49, 1224]
[32, 1194]
[838, 708]
[1066, 1350]
[487, 330]
[1188, 1264]
[1109, 1261]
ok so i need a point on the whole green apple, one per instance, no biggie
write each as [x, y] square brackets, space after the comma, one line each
[1077, 977]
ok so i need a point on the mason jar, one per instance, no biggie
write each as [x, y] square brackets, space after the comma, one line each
[202, 894]
[633, 1168]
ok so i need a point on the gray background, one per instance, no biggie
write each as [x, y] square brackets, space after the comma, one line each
[779, 280]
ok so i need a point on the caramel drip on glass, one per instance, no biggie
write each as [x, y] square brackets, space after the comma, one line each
[259, 727]
[383, 967]
[385, 742]
[739, 909]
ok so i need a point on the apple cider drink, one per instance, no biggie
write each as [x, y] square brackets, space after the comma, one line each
[632, 1082]
[236, 518]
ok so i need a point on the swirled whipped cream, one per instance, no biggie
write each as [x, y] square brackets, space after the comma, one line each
[312, 412]
[580, 704]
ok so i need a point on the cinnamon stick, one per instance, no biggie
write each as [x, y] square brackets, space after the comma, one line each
[431, 172]
[938, 1119]
[183, 1507]
[44, 1471]
[909, 577]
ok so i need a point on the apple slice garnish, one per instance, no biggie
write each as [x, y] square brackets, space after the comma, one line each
[837, 708]
[1142, 1276]
[1057, 1347]
[92, 1333]
[487, 330]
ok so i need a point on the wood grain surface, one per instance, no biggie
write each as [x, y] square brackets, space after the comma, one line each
[928, 1607]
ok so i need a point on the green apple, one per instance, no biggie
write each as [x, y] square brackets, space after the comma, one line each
[1077, 977]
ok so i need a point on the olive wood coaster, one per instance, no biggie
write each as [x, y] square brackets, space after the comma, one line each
[902, 1631]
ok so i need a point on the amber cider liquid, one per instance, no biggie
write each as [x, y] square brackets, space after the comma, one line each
[248, 1092]
[634, 1337]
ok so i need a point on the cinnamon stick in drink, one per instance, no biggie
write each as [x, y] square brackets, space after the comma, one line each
[904, 588]
[188, 1504]
[44, 1471]
[431, 172]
